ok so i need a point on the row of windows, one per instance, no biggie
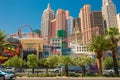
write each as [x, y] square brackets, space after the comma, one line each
[82, 50]
[55, 43]
[55, 40]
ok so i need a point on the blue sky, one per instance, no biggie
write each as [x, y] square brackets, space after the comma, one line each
[14, 13]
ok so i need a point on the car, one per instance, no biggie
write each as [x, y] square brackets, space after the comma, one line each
[7, 75]
[56, 70]
[111, 70]
[2, 77]
[10, 69]
[76, 69]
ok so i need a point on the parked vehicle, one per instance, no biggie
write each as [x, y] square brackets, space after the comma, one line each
[110, 71]
[7, 75]
[10, 69]
[2, 77]
[56, 70]
[75, 69]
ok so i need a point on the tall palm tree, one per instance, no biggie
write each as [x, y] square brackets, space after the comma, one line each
[82, 61]
[113, 35]
[66, 61]
[2, 38]
[98, 45]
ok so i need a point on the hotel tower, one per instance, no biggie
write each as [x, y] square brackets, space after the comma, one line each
[84, 15]
[109, 13]
[47, 16]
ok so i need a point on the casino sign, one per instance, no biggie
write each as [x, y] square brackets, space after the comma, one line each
[11, 48]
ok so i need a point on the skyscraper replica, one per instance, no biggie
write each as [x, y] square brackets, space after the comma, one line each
[53, 28]
[109, 13]
[47, 16]
[97, 23]
[84, 15]
[61, 27]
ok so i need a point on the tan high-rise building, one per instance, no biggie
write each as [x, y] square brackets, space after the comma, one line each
[84, 15]
[47, 16]
[61, 16]
[109, 13]
[53, 29]
[61, 25]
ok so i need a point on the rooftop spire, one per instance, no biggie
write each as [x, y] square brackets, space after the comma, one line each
[48, 7]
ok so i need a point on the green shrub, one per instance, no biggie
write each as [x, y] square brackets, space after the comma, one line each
[73, 75]
[32, 75]
[52, 75]
[61, 74]
[43, 75]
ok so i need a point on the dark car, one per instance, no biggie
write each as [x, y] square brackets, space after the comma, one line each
[2, 77]
[75, 69]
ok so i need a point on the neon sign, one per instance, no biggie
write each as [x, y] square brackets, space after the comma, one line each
[12, 48]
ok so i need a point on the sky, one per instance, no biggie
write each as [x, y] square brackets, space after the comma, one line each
[15, 13]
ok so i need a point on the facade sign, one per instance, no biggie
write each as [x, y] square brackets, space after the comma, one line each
[12, 47]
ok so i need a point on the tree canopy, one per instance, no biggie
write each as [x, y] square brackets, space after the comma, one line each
[32, 61]
[14, 62]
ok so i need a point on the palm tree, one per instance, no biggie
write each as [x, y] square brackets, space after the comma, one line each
[53, 61]
[66, 61]
[82, 61]
[113, 35]
[98, 45]
[43, 63]
[2, 38]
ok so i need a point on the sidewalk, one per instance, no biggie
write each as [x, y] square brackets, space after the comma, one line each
[71, 77]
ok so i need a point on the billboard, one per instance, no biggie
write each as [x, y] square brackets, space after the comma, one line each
[11, 47]
[66, 51]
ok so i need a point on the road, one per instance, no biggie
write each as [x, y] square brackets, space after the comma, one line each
[66, 78]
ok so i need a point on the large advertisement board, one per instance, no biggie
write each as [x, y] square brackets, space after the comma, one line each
[11, 48]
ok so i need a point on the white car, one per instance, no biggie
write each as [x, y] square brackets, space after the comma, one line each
[7, 75]
[56, 70]
[10, 69]
[110, 71]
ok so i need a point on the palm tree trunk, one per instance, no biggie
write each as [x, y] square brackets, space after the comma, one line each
[66, 70]
[99, 65]
[114, 56]
[83, 71]
[115, 63]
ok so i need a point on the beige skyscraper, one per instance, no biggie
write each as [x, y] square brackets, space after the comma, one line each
[61, 16]
[109, 13]
[84, 15]
[47, 16]
[61, 27]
